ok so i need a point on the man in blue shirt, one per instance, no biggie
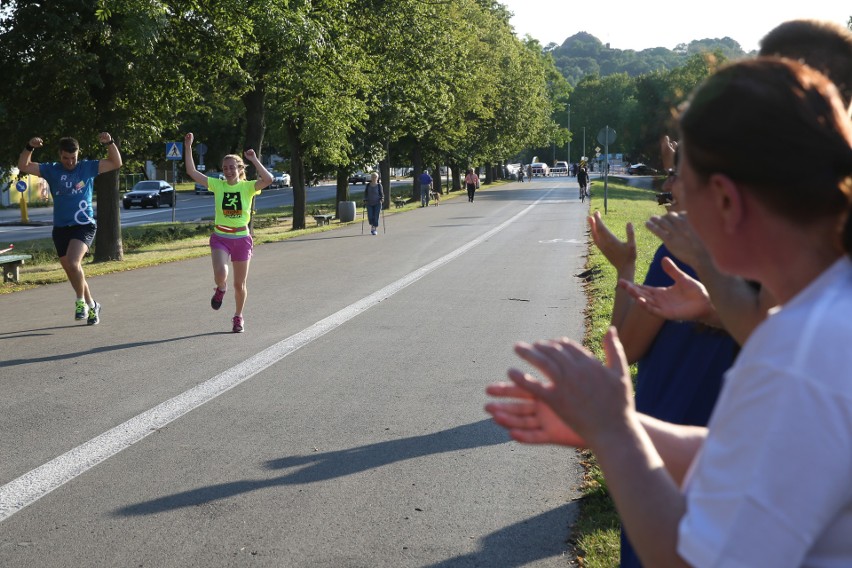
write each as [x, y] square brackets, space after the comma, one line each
[71, 182]
[425, 188]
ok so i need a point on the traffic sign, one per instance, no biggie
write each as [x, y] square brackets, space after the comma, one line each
[606, 135]
[21, 186]
[201, 148]
[174, 150]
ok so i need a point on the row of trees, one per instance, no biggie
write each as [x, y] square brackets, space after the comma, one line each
[337, 83]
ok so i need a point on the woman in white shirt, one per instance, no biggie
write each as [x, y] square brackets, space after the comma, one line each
[769, 481]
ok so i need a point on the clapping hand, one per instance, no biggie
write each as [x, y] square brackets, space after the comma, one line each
[686, 299]
[580, 402]
[621, 254]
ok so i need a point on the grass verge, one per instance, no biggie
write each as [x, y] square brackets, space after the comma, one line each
[158, 243]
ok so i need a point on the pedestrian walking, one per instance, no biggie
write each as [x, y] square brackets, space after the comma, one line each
[471, 182]
[71, 182]
[374, 197]
[425, 188]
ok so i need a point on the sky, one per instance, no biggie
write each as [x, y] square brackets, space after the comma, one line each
[657, 23]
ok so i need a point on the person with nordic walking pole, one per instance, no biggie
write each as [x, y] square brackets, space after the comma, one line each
[374, 196]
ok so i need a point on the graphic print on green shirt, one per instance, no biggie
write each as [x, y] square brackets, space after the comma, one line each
[233, 204]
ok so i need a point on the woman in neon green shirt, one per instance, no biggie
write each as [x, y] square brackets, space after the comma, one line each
[231, 238]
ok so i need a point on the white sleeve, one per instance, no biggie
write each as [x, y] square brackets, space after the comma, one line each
[774, 472]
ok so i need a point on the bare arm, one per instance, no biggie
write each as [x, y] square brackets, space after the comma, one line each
[264, 178]
[25, 163]
[189, 161]
[636, 326]
[113, 160]
[739, 306]
[583, 402]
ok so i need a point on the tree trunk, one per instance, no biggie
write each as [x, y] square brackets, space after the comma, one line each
[254, 102]
[342, 189]
[457, 177]
[297, 174]
[489, 173]
[436, 179]
[108, 243]
[384, 174]
[417, 163]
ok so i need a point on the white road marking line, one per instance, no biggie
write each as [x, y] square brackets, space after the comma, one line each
[32, 486]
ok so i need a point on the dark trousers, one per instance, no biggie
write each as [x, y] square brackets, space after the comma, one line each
[471, 189]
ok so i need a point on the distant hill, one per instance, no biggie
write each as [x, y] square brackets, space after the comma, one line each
[583, 54]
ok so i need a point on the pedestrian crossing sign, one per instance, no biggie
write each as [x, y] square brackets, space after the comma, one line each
[174, 150]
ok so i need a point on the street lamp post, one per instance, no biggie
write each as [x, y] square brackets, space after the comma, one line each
[584, 141]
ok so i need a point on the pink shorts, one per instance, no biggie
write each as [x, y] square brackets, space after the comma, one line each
[239, 248]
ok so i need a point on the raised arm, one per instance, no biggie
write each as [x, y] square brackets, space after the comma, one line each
[264, 178]
[25, 163]
[113, 159]
[636, 326]
[739, 306]
[189, 161]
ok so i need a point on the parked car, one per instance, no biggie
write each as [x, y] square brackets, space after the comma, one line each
[358, 177]
[539, 169]
[560, 168]
[641, 170]
[150, 193]
[279, 179]
[201, 190]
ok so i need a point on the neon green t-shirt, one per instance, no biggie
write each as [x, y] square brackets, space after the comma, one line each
[233, 205]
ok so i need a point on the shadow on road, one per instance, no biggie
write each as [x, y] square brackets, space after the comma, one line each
[103, 349]
[318, 467]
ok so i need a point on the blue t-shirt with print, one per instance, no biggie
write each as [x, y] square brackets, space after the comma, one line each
[72, 192]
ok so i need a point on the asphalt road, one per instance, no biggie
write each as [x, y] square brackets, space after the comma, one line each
[344, 428]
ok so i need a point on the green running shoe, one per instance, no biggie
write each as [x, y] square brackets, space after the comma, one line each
[94, 315]
[80, 310]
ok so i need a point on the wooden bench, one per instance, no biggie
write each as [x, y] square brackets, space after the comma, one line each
[399, 202]
[11, 264]
[323, 219]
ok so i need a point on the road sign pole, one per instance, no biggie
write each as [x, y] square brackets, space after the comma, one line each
[174, 152]
[175, 194]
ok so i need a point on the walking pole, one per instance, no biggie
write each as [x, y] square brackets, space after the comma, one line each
[363, 212]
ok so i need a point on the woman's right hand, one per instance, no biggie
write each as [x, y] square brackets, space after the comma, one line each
[685, 300]
[187, 140]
